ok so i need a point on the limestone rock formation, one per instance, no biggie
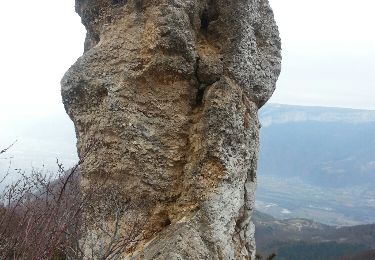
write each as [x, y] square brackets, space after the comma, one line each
[164, 102]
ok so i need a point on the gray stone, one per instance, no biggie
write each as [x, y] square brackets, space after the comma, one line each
[164, 102]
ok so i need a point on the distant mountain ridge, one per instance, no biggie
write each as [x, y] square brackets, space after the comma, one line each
[279, 114]
[324, 146]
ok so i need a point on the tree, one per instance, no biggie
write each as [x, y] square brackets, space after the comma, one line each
[41, 217]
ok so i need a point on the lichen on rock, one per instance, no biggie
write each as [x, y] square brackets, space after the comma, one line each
[165, 97]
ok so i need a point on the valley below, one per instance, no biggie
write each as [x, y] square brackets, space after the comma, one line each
[291, 197]
[317, 163]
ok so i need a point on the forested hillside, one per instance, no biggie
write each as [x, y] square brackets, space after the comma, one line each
[305, 239]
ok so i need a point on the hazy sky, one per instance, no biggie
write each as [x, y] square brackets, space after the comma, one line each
[328, 53]
[328, 57]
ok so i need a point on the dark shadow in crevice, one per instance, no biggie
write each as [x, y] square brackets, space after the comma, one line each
[200, 86]
[118, 3]
[209, 14]
[200, 94]
[205, 21]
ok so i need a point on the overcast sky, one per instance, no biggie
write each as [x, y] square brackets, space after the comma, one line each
[328, 52]
[328, 56]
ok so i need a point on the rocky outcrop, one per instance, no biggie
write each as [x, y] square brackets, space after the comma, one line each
[165, 98]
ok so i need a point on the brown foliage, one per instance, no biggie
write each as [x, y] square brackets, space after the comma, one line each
[41, 218]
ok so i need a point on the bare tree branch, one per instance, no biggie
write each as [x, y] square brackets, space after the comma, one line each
[41, 217]
[6, 149]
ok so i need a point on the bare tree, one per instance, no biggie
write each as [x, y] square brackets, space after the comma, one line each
[42, 217]
[37, 212]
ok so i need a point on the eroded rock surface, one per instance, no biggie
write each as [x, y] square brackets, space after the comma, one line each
[165, 97]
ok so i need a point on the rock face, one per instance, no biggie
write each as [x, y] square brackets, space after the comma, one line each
[165, 101]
